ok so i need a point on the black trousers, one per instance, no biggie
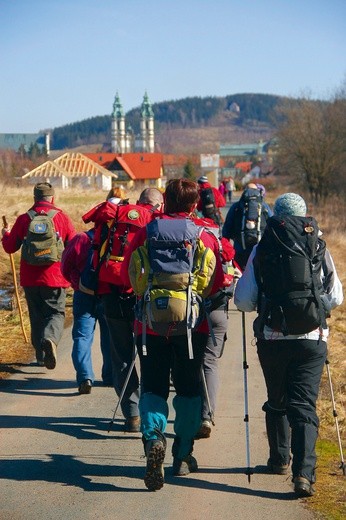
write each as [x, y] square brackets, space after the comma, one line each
[292, 370]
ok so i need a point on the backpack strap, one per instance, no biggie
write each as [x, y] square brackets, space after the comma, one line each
[188, 314]
[32, 213]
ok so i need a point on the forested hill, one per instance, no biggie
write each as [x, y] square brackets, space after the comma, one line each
[254, 114]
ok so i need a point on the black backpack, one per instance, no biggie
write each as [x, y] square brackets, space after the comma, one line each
[288, 264]
[250, 218]
[209, 209]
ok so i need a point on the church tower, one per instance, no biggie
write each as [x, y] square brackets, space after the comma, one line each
[118, 143]
[147, 126]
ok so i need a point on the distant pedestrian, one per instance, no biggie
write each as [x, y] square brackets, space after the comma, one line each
[230, 187]
[210, 201]
[290, 279]
[245, 222]
[222, 189]
[40, 275]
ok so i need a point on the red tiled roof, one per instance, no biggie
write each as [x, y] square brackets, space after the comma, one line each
[138, 166]
[144, 165]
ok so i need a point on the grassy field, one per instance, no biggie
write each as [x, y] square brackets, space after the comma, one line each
[330, 498]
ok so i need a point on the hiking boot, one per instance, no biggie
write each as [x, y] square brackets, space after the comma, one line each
[182, 467]
[49, 349]
[303, 487]
[204, 430]
[277, 469]
[132, 424]
[85, 387]
[155, 451]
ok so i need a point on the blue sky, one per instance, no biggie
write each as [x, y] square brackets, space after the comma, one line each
[62, 61]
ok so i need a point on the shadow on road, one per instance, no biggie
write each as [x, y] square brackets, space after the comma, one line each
[70, 471]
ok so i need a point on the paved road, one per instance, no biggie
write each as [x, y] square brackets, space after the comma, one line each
[58, 460]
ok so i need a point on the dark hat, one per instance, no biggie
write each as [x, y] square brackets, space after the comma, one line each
[290, 204]
[202, 179]
[43, 189]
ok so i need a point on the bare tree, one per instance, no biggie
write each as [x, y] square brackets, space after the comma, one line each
[312, 144]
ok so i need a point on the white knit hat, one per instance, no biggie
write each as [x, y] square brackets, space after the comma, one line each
[203, 179]
[290, 204]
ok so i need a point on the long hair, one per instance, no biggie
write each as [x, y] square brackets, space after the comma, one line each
[180, 196]
[118, 193]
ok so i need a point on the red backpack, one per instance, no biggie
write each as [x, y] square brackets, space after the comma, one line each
[113, 237]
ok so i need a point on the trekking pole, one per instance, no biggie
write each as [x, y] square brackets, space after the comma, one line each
[335, 415]
[248, 471]
[123, 390]
[206, 393]
[16, 288]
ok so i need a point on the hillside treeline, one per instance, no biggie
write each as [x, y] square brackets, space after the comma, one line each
[191, 112]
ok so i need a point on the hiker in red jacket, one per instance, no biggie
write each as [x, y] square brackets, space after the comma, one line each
[115, 226]
[162, 355]
[76, 266]
[44, 285]
[210, 201]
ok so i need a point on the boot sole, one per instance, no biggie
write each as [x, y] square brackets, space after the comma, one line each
[154, 477]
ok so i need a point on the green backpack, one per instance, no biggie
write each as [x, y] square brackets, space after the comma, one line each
[42, 244]
[172, 272]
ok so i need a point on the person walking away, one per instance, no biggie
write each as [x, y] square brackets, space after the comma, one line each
[115, 227]
[77, 268]
[173, 348]
[291, 280]
[222, 189]
[210, 201]
[42, 233]
[245, 222]
[230, 187]
[217, 306]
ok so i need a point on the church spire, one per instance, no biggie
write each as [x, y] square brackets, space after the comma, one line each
[147, 125]
[118, 127]
[117, 108]
[146, 108]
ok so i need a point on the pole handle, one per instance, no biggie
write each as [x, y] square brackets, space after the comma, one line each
[4, 221]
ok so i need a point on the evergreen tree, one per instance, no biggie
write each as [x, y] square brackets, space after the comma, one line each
[189, 171]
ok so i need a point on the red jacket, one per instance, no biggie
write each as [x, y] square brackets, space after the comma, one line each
[37, 275]
[208, 241]
[219, 198]
[74, 259]
[104, 212]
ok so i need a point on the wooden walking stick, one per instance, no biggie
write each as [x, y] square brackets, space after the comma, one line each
[16, 288]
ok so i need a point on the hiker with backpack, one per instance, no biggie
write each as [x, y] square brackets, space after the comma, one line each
[115, 226]
[78, 269]
[172, 265]
[246, 221]
[210, 201]
[290, 279]
[42, 233]
[217, 306]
